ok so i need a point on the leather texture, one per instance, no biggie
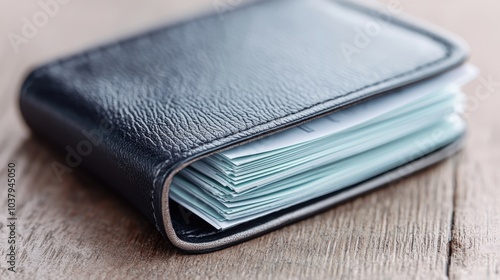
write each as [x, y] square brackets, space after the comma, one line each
[148, 105]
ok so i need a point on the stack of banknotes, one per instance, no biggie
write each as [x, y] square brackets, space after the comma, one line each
[324, 155]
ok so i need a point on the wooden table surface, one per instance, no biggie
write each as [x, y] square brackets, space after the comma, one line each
[440, 223]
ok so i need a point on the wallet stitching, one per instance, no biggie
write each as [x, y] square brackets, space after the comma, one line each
[164, 165]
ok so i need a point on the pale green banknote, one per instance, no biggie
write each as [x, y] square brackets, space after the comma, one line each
[324, 155]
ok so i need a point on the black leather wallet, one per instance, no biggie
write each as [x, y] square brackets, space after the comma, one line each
[137, 111]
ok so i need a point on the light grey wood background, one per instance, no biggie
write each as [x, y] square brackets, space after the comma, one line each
[438, 224]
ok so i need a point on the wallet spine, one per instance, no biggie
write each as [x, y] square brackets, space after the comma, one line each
[85, 142]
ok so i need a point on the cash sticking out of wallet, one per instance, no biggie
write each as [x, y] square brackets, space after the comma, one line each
[324, 155]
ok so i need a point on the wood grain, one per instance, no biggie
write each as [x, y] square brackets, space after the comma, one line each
[438, 224]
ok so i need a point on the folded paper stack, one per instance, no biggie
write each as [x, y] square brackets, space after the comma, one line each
[326, 155]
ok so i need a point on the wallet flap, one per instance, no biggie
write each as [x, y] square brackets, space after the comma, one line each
[182, 92]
